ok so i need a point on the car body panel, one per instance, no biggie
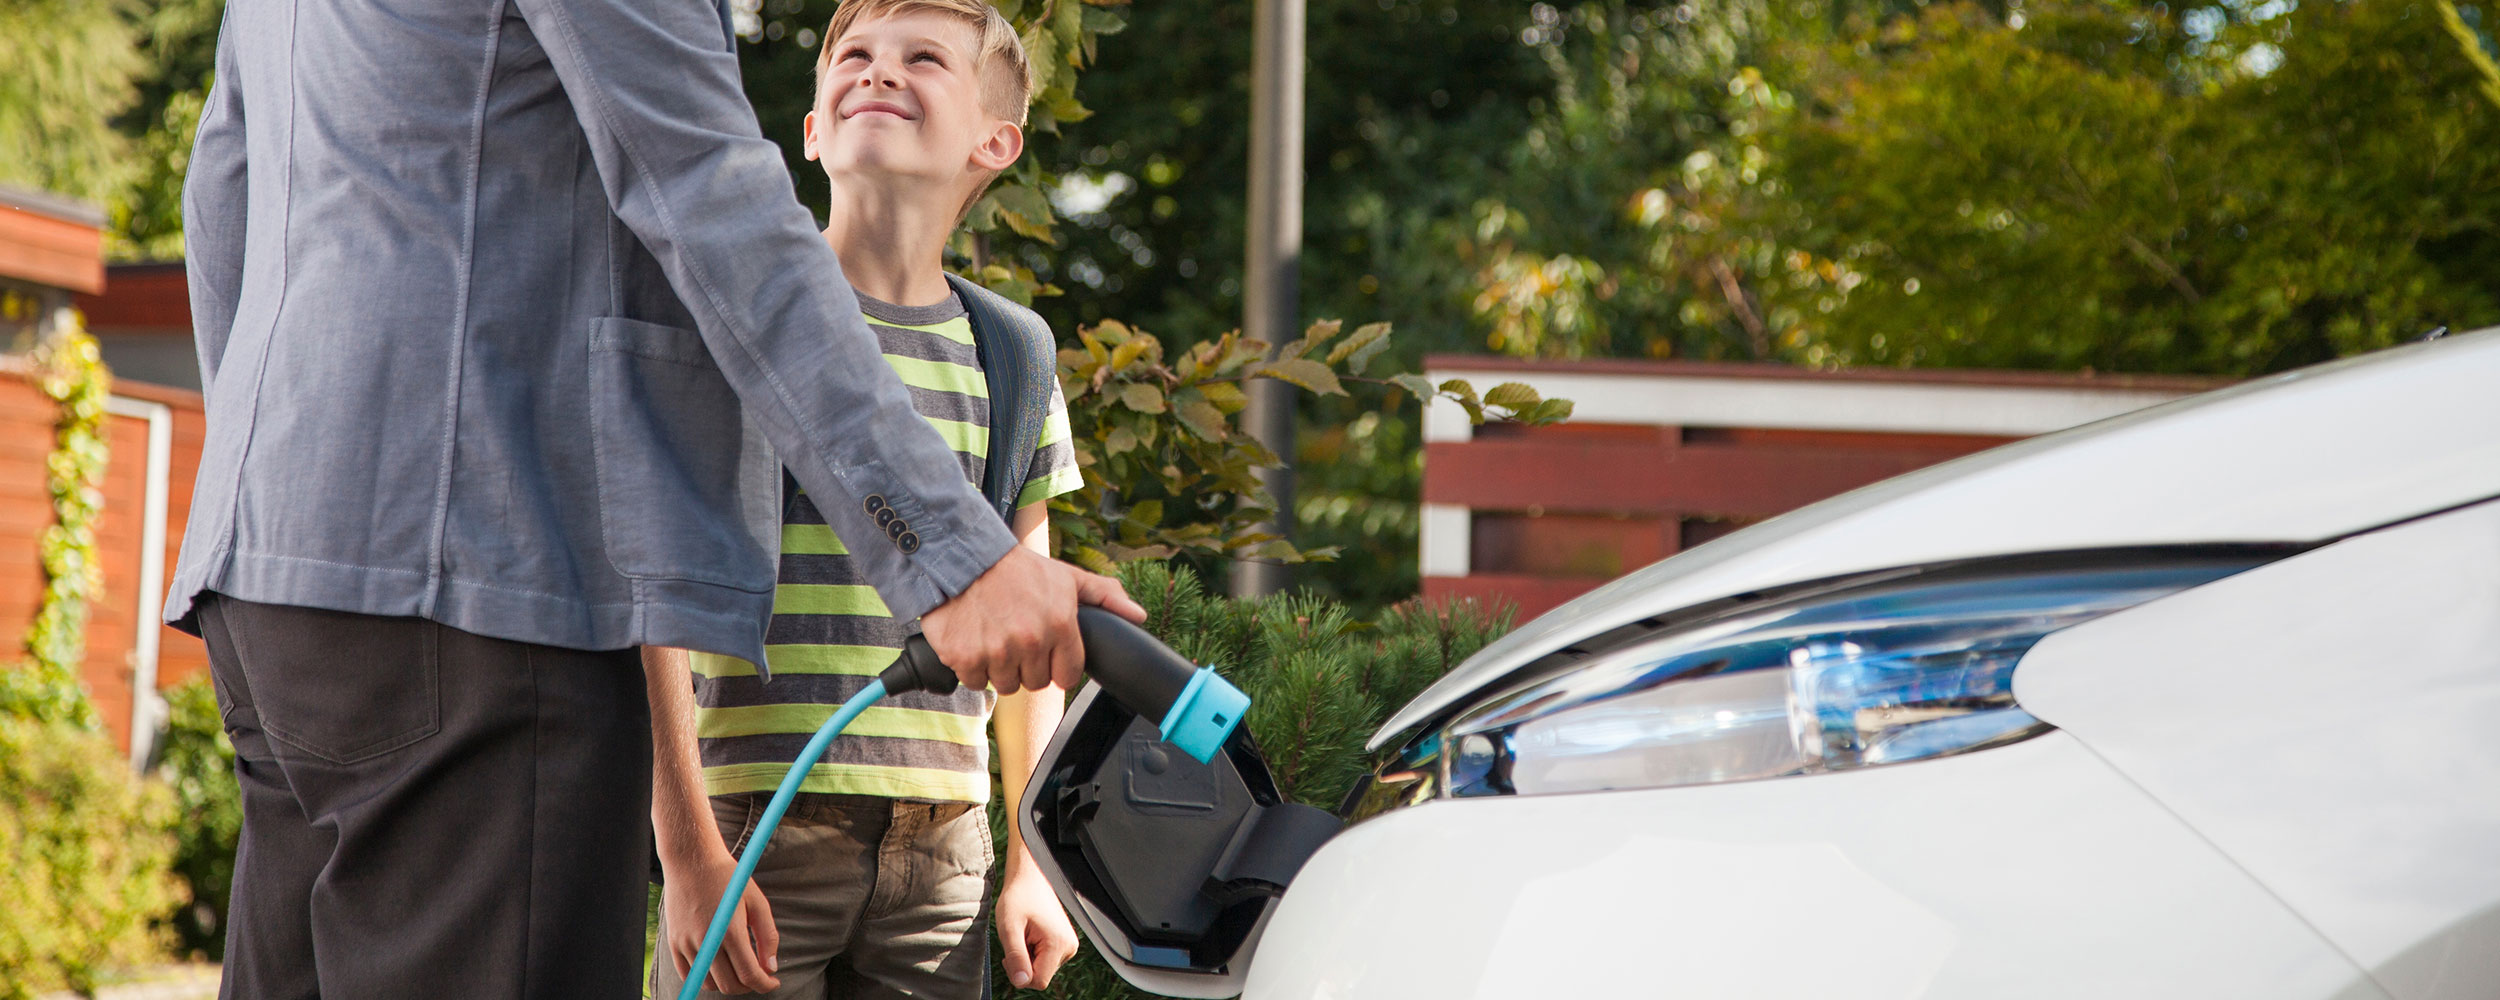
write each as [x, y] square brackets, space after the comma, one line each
[2332, 723]
[2306, 456]
[2027, 871]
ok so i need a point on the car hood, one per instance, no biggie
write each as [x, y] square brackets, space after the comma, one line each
[2304, 456]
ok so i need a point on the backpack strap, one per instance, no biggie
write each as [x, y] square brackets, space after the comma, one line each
[1018, 358]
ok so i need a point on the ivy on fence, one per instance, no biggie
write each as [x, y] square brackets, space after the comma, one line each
[69, 368]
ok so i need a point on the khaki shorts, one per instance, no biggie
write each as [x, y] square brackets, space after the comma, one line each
[874, 897]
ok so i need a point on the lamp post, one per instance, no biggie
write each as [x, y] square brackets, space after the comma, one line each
[1270, 289]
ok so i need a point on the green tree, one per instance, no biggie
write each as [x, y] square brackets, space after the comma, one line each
[1408, 102]
[71, 70]
[100, 102]
[2134, 187]
[179, 40]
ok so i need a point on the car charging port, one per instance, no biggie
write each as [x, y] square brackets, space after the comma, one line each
[1175, 863]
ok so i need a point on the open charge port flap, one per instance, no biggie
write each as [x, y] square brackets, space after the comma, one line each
[1179, 859]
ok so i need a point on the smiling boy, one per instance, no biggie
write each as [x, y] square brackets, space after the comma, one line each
[875, 884]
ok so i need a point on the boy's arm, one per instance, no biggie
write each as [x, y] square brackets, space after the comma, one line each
[694, 864]
[1032, 928]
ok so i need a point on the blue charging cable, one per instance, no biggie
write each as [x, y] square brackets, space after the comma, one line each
[728, 906]
[1194, 709]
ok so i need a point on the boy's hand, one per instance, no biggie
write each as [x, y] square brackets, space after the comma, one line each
[1014, 629]
[1032, 930]
[743, 965]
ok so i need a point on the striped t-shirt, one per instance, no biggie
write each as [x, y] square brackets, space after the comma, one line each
[830, 633]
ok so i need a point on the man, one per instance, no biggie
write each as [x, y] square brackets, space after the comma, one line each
[484, 289]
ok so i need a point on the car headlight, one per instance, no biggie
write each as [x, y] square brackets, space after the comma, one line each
[1901, 668]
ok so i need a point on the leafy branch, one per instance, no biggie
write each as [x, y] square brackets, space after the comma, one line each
[1168, 468]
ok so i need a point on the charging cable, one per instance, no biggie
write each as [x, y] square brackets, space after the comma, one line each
[1195, 710]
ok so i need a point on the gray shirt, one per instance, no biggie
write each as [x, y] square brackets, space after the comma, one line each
[508, 317]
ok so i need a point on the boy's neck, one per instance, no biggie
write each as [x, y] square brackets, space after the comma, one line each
[892, 246]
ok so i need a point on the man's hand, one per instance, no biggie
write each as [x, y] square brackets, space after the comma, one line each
[1032, 930]
[744, 965]
[1015, 628]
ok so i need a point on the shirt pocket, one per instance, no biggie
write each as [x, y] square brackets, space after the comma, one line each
[686, 485]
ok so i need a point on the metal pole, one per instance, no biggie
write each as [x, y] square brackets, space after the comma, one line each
[1270, 289]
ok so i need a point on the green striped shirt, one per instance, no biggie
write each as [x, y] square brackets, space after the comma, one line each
[831, 634]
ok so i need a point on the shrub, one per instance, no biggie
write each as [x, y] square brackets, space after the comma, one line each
[198, 765]
[1170, 467]
[85, 878]
[1319, 682]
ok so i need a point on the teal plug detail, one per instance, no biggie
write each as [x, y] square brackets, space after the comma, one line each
[1204, 715]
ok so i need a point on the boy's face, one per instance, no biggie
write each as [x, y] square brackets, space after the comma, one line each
[901, 100]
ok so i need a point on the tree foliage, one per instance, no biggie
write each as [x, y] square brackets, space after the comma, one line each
[1169, 471]
[71, 70]
[2134, 187]
[99, 103]
[2219, 187]
[87, 852]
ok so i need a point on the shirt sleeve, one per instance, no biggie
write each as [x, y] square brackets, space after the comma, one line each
[1054, 472]
[655, 89]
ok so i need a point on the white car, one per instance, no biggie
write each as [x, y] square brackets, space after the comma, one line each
[2203, 701]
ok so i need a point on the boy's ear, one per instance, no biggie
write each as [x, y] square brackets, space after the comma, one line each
[998, 150]
[808, 130]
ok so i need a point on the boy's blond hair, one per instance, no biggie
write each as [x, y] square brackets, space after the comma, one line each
[1005, 72]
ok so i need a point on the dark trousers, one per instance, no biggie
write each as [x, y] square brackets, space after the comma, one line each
[430, 813]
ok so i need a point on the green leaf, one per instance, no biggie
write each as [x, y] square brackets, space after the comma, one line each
[1101, 367]
[1121, 441]
[1279, 550]
[1127, 353]
[1067, 20]
[1415, 385]
[1552, 411]
[1367, 341]
[1146, 512]
[1092, 558]
[1364, 334]
[1204, 419]
[1319, 332]
[1511, 396]
[1465, 395]
[1064, 108]
[1226, 396]
[1304, 372]
[1025, 209]
[1099, 22]
[1141, 397]
[1046, 71]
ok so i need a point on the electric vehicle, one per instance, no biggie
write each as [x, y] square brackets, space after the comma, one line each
[2200, 701]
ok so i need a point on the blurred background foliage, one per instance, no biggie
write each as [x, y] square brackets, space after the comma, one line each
[2220, 188]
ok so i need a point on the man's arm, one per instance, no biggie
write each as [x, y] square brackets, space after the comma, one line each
[656, 93]
[1033, 930]
[214, 199]
[694, 864]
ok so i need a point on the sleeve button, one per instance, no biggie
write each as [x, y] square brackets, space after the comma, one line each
[897, 529]
[874, 503]
[909, 543]
[885, 516]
